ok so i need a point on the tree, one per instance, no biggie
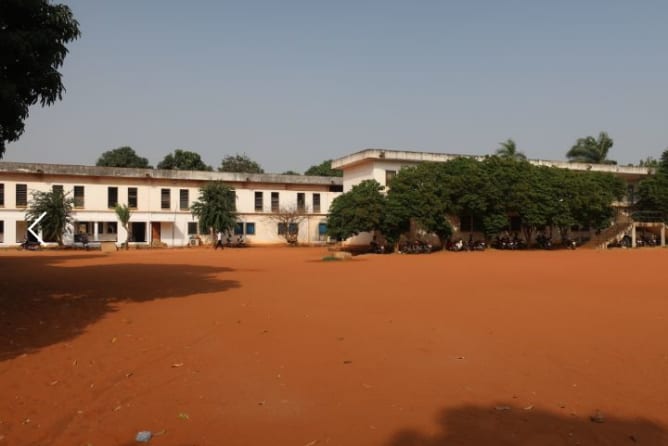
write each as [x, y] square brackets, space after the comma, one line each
[215, 208]
[290, 172]
[58, 208]
[122, 157]
[508, 149]
[183, 160]
[359, 210]
[288, 219]
[123, 214]
[653, 191]
[649, 162]
[591, 150]
[239, 163]
[33, 34]
[324, 169]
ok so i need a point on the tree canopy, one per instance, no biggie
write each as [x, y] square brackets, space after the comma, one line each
[122, 157]
[239, 163]
[58, 208]
[481, 195]
[183, 160]
[33, 35]
[591, 150]
[324, 169]
[508, 149]
[358, 210]
[653, 191]
[216, 207]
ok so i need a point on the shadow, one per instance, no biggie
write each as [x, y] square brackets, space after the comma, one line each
[44, 301]
[474, 426]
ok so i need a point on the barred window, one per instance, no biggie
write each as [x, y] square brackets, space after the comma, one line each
[259, 201]
[184, 199]
[112, 197]
[132, 197]
[78, 196]
[301, 201]
[21, 195]
[274, 202]
[165, 198]
[316, 203]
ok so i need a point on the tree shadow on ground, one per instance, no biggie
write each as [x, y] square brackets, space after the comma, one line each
[474, 426]
[43, 301]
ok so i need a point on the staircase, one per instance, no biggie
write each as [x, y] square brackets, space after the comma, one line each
[622, 225]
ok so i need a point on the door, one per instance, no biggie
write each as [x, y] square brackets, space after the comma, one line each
[155, 232]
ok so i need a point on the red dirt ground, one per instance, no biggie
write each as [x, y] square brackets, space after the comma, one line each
[276, 347]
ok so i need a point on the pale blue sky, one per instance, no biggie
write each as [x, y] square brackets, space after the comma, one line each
[291, 83]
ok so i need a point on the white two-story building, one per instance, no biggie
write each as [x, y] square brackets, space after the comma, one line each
[160, 202]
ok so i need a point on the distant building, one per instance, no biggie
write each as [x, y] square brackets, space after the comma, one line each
[160, 202]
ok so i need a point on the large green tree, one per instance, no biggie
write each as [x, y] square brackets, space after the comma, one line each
[591, 150]
[653, 191]
[216, 208]
[359, 210]
[33, 35]
[508, 149]
[58, 208]
[239, 163]
[324, 169]
[183, 160]
[122, 157]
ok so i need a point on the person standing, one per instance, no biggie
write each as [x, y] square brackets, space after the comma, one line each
[219, 240]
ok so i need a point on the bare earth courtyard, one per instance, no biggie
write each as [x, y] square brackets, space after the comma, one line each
[272, 346]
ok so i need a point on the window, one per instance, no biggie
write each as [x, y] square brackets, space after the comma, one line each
[322, 231]
[78, 196]
[2, 195]
[293, 228]
[21, 195]
[112, 197]
[192, 228]
[389, 176]
[112, 228]
[259, 201]
[301, 202]
[57, 188]
[184, 199]
[2, 231]
[316, 203]
[274, 202]
[250, 228]
[164, 198]
[336, 188]
[239, 228]
[132, 197]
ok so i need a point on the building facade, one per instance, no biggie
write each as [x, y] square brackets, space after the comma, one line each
[160, 201]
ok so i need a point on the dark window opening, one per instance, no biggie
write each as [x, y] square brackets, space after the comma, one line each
[21, 195]
[184, 199]
[112, 197]
[78, 196]
[301, 202]
[165, 198]
[274, 202]
[259, 204]
[132, 197]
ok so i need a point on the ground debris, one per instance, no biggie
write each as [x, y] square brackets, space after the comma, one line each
[502, 408]
[598, 417]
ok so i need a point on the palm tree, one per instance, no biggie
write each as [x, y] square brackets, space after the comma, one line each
[508, 149]
[58, 210]
[123, 214]
[216, 207]
[591, 150]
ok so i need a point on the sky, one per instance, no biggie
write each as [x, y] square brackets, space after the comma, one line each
[293, 83]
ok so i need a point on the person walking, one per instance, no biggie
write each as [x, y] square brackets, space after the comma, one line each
[219, 240]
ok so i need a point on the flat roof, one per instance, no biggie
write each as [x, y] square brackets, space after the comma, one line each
[376, 154]
[185, 175]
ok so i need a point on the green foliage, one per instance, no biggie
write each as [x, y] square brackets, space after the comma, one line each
[290, 172]
[122, 157]
[123, 213]
[216, 207]
[183, 160]
[58, 208]
[239, 163]
[33, 34]
[591, 150]
[359, 210]
[653, 191]
[508, 149]
[324, 169]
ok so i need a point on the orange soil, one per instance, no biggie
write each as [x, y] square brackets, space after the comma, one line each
[275, 347]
